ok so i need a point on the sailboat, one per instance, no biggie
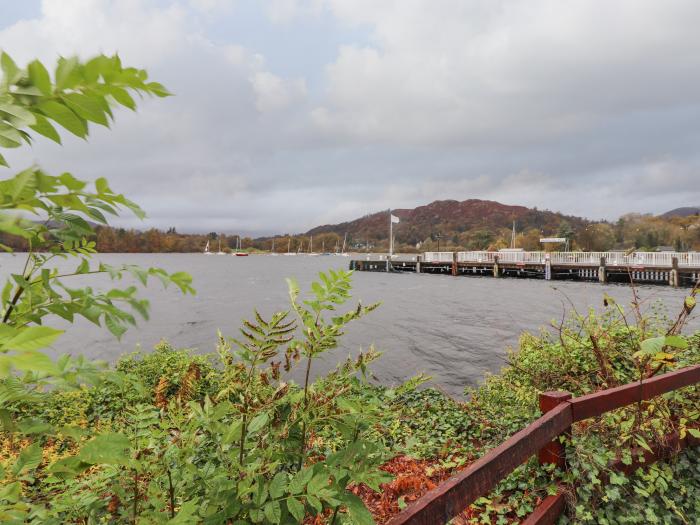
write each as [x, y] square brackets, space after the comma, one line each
[272, 250]
[343, 253]
[238, 252]
[311, 245]
[206, 249]
[220, 252]
[289, 247]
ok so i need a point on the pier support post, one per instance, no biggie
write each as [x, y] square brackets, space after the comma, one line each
[547, 268]
[418, 263]
[554, 451]
[602, 273]
[496, 269]
[388, 264]
[454, 263]
[674, 279]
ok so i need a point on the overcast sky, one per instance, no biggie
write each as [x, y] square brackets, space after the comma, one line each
[292, 113]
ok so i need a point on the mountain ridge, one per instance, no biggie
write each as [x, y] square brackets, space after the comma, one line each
[454, 221]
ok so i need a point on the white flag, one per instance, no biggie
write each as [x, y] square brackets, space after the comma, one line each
[394, 219]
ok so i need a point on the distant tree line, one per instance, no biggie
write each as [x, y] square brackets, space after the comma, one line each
[631, 231]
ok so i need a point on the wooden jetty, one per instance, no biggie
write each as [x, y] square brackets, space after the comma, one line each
[670, 268]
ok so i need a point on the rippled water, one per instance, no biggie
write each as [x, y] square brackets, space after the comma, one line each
[454, 329]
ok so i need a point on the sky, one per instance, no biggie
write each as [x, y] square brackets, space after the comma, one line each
[288, 114]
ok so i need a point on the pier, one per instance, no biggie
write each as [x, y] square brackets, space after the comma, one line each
[668, 268]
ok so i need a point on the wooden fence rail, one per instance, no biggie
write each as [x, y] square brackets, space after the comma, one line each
[455, 494]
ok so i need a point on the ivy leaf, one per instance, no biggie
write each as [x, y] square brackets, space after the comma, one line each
[694, 432]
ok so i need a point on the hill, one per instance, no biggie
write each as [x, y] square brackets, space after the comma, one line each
[473, 223]
[686, 211]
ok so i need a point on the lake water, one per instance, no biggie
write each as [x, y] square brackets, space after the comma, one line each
[454, 329]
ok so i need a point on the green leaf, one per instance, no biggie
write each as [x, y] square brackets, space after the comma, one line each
[39, 76]
[315, 503]
[28, 459]
[21, 115]
[158, 89]
[320, 481]
[694, 432]
[187, 514]
[676, 341]
[67, 74]
[122, 97]
[296, 509]
[86, 107]
[110, 448]
[33, 338]
[278, 485]
[357, 510]
[9, 136]
[272, 511]
[33, 361]
[114, 326]
[301, 478]
[64, 117]
[45, 128]
[258, 422]
[9, 68]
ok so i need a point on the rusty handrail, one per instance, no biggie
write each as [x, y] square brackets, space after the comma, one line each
[456, 493]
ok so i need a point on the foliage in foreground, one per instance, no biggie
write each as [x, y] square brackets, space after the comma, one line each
[228, 438]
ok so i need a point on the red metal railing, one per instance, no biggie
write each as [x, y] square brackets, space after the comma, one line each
[560, 411]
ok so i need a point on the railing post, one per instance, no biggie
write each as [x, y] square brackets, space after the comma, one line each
[496, 272]
[418, 258]
[602, 273]
[553, 452]
[673, 275]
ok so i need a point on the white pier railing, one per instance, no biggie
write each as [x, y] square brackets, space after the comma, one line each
[438, 257]
[658, 259]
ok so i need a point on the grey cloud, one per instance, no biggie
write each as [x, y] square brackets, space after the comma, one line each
[578, 107]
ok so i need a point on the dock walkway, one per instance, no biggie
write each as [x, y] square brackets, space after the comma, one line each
[670, 268]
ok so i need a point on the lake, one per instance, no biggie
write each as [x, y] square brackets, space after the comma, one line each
[454, 329]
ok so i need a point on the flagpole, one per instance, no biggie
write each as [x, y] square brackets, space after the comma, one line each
[391, 235]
